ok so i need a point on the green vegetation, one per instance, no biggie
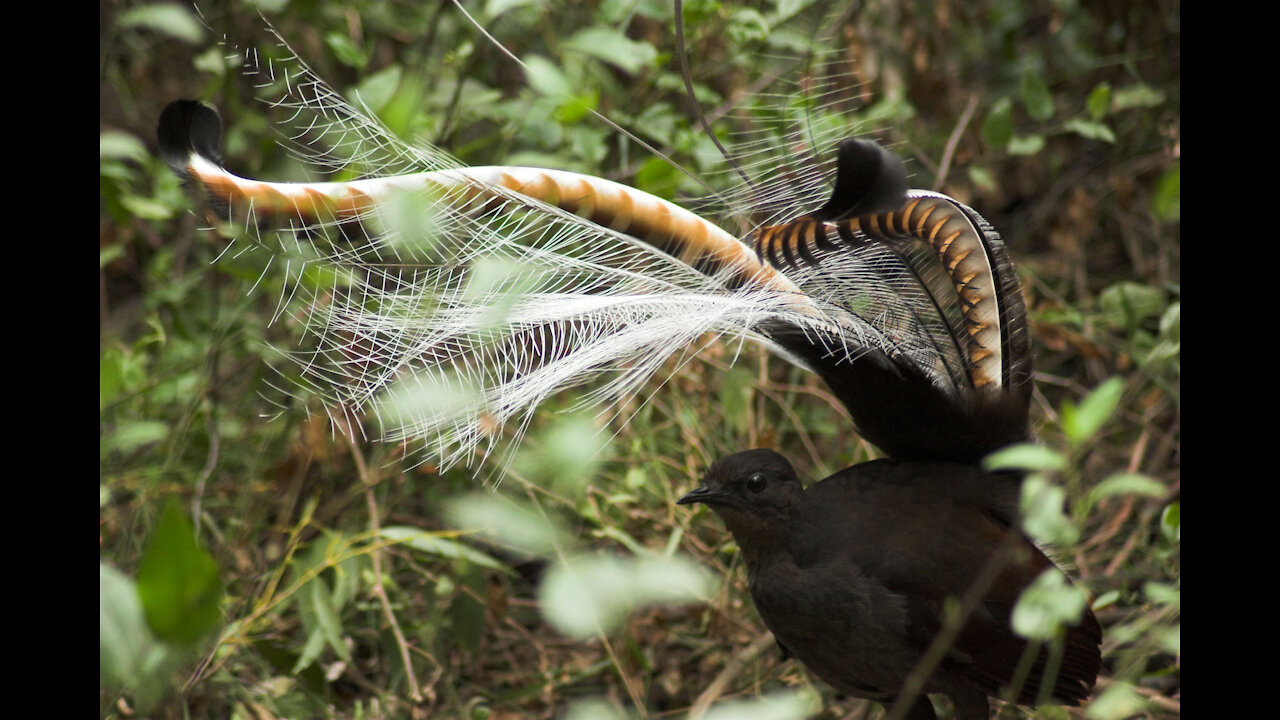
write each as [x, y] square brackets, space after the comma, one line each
[256, 563]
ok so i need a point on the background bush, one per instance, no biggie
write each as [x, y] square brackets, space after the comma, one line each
[1059, 121]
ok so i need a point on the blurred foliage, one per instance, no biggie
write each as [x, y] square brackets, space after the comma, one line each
[355, 585]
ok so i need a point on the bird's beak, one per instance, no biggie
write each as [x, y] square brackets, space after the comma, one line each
[701, 494]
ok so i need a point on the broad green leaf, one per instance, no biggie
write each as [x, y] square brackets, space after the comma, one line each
[593, 709]
[120, 146]
[346, 50]
[1025, 456]
[1119, 700]
[1049, 603]
[1091, 129]
[1043, 517]
[1025, 144]
[1171, 522]
[568, 455]
[1035, 96]
[507, 521]
[586, 594]
[1083, 421]
[1099, 101]
[747, 25]
[613, 47]
[778, 705]
[433, 544]
[129, 655]
[416, 399]
[320, 602]
[1136, 96]
[178, 581]
[131, 435]
[997, 126]
[1127, 484]
[1127, 304]
[176, 21]
[123, 635]
[1163, 593]
[1167, 201]
[545, 77]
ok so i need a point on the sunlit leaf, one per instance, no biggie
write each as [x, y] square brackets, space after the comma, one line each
[1045, 606]
[588, 594]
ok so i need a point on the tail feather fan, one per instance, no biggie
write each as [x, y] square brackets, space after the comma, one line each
[487, 289]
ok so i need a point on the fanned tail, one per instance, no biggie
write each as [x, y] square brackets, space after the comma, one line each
[953, 380]
[453, 300]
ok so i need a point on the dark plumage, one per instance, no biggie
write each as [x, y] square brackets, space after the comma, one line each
[852, 574]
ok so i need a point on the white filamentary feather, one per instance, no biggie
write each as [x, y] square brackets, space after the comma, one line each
[451, 314]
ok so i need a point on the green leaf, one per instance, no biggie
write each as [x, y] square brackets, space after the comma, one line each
[1136, 96]
[346, 50]
[1025, 145]
[568, 455]
[417, 399]
[433, 544]
[1045, 606]
[467, 614]
[1127, 304]
[1043, 516]
[1082, 422]
[613, 47]
[1091, 129]
[778, 705]
[747, 25]
[176, 21]
[593, 709]
[1119, 700]
[1035, 96]
[129, 656]
[131, 435]
[178, 581]
[1025, 456]
[1171, 522]
[1162, 593]
[117, 145]
[123, 636]
[545, 77]
[507, 521]
[494, 8]
[1127, 484]
[587, 594]
[982, 177]
[325, 613]
[1166, 203]
[1099, 101]
[377, 90]
[997, 126]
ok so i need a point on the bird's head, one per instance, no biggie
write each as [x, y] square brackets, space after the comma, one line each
[754, 492]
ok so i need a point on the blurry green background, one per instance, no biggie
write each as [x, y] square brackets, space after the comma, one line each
[329, 579]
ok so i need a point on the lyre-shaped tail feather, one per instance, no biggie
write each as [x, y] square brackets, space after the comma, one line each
[591, 277]
[953, 379]
[507, 284]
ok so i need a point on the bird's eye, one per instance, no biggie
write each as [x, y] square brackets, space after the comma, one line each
[756, 482]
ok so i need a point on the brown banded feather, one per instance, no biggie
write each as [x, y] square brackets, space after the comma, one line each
[953, 239]
[665, 226]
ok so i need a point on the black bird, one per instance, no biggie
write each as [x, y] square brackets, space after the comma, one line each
[903, 301]
[852, 576]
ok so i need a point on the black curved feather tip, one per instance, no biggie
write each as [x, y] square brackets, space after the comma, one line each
[869, 180]
[187, 127]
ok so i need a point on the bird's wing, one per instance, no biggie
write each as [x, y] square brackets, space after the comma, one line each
[961, 541]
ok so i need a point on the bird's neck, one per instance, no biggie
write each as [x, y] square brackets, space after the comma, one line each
[762, 540]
